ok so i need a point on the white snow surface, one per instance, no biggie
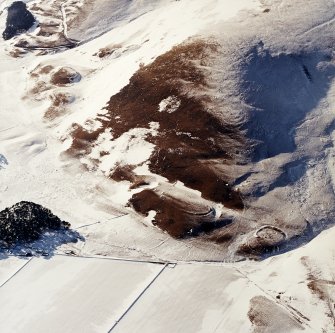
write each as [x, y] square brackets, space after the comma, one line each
[71, 295]
[66, 293]
[92, 293]
[170, 104]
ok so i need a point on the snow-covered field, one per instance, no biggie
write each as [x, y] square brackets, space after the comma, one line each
[288, 293]
[71, 294]
[88, 108]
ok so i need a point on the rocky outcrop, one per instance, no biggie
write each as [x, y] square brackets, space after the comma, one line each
[25, 222]
[19, 19]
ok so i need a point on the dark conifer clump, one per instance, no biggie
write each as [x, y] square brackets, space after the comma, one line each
[25, 222]
[19, 19]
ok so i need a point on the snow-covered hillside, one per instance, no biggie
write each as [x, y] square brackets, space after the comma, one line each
[181, 130]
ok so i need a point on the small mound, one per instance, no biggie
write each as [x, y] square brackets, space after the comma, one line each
[64, 76]
[25, 222]
[19, 20]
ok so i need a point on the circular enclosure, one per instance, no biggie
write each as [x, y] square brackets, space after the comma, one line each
[271, 234]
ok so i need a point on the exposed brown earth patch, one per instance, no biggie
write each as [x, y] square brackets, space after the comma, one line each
[46, 69]
[266, 316]
[17, 53]
[193, 145]
[50, 83]
[41, 81]
[58, 106]
[64, 76]
[107, 51]
[317, 287]
[125, 173]
[322, 288]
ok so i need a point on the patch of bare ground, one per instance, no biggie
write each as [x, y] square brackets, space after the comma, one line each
[58, 106]
[48, 81]
[39, 87]
[41, 83]
[46, 69]
[125, 173]
[64, 76]
[322, 288]
[17, 53]
[107, 51]
[193, 145]
[266, 316]
[47, 75]
[318, 287]
[47, 30]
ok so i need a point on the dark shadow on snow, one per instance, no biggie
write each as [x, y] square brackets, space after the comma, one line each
[46, 246]
[29, 229]
[310, 232]
[282, 89]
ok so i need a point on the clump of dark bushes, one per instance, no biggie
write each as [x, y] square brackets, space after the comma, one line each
[25, 222]
[19, 19]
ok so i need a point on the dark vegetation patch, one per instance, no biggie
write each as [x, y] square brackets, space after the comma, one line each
[19, 19]
[178, 218]
[25, 222]
[125, 173]
[194, 145]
